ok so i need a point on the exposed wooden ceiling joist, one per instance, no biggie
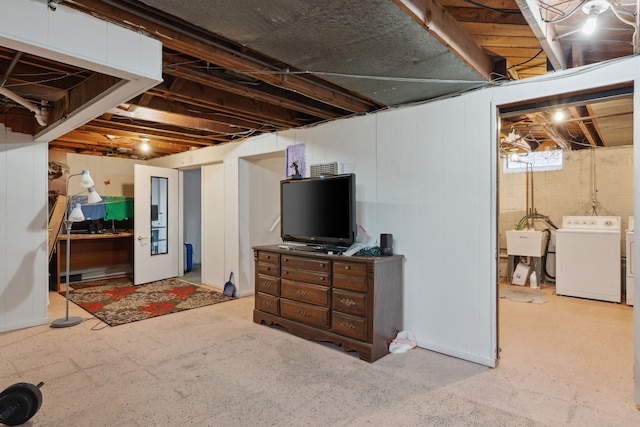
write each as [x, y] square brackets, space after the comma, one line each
[445, 28]
[201, 46]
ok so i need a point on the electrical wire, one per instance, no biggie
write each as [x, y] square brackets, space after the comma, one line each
[555, 21]
[505, 11]
[528, 60]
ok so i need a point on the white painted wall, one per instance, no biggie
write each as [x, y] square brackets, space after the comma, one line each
[112, 176]
[264, 174]
[24, 278]
[213, 225]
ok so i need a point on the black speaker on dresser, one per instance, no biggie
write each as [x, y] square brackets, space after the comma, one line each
[386, 244]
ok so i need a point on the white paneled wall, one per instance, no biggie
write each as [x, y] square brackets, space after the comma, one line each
[213, 225]
[428, 175]
[24, 278]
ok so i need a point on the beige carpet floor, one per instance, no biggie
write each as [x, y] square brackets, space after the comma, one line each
[565, 362]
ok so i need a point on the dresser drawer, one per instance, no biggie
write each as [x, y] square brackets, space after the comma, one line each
[318, 277]
[302, 263]
[350, 302]
[268, 303]
[349, 326]
[268, 258]
[268, 269]
[305, 292]
[350, 275]
[268, 284]
[305, 313]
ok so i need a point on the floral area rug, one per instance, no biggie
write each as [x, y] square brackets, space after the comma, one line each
[117, 301]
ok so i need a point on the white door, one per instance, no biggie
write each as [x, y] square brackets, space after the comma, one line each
[157, 248]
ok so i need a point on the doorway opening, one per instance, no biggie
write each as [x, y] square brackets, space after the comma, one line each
[564, 335]
[192, 225]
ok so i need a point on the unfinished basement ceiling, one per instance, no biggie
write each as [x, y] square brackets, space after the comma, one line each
[371, 47]
[598, 119]
[235, 69]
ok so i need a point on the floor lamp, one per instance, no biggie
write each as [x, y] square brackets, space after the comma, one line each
[75, 215]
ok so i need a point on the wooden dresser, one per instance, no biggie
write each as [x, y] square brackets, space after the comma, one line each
[353, 302]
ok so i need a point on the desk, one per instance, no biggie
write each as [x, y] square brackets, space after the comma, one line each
[94, 251]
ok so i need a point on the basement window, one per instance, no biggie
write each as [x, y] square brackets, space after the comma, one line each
[540, 161]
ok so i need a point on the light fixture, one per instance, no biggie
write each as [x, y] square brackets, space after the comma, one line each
[75, 215]
[94, 197]
[85, 179]
[144, 146]
[593, 8]
[53, 4]
[558, 116]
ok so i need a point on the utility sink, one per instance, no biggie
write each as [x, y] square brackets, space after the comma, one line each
[526, 242]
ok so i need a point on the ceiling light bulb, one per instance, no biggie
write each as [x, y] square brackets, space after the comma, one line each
[590, 24]
[558, 116]
[593, 8]
[144, 146]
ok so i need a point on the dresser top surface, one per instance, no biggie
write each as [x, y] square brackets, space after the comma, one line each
[314, 254]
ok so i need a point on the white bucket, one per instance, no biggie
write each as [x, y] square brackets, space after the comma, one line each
[521, 274]
[533, 280]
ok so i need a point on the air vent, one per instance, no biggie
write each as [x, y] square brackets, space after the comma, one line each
[324, 169]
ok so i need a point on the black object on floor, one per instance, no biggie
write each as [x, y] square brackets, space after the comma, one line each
[20, 402]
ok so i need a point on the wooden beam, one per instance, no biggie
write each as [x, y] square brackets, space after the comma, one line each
[476, 14]
[435, 19]
[171, 67]
[219, 100]
[79, 96]
[586, 130]
[545, 33]
[167, 118]
[225, 54]
[167, 103]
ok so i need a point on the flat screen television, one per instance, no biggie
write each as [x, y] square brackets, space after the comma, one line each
[319, 210]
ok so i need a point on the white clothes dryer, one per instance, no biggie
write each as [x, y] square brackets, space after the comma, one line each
[588, 263]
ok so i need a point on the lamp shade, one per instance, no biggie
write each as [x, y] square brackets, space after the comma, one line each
[76, 214]
[93, 196]
[85, 179]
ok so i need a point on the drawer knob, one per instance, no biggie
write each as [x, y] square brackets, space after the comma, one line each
[302, 292]
[346, 267]
[266, 303]
[303, 313]
[322, 264]
[347, 302]
[267, 285]
[348, 325]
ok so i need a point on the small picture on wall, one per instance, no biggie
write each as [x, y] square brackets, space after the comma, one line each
[296, 166]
